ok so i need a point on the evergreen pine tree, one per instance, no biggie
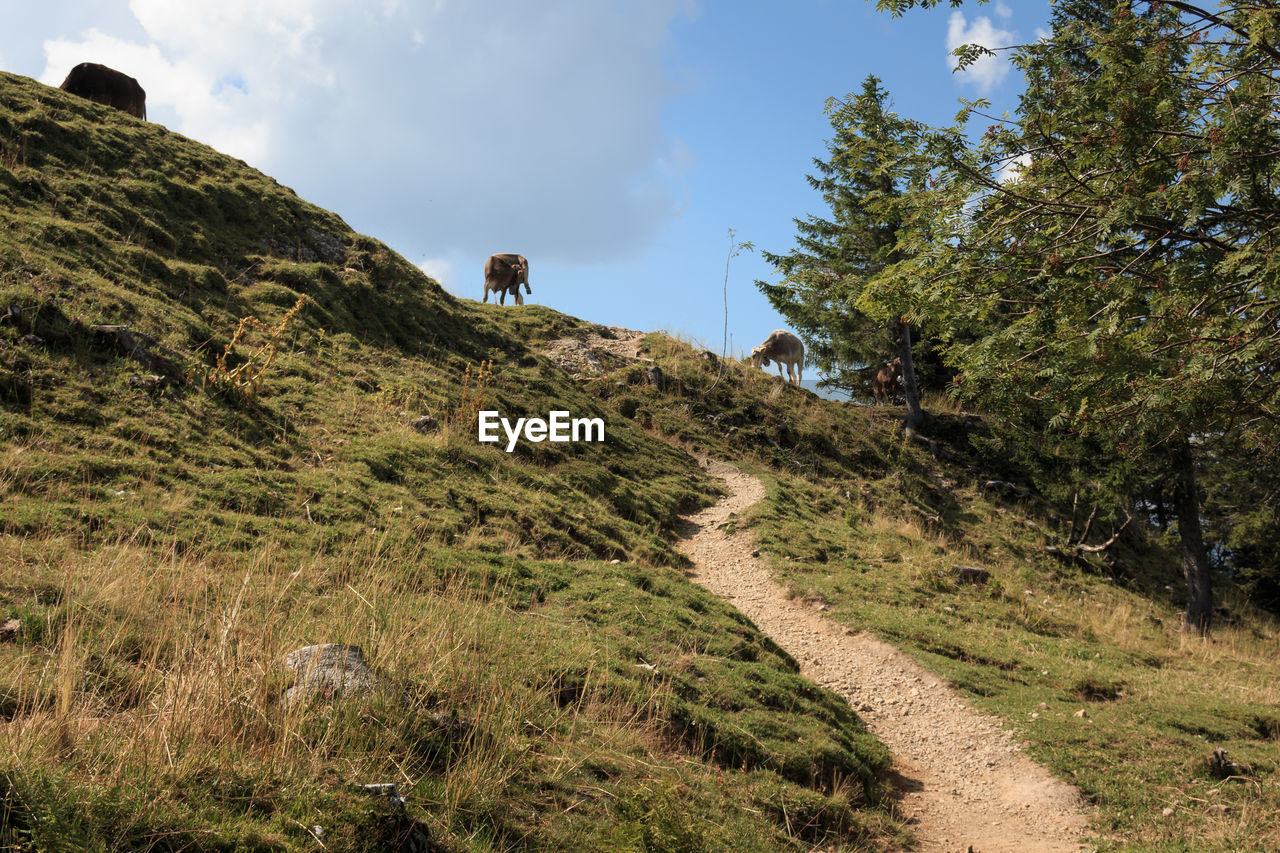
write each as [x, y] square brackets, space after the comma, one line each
[875, 157]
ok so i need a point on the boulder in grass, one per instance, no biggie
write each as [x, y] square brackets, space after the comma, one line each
[425, 424]
[329, 671]
[972, 574]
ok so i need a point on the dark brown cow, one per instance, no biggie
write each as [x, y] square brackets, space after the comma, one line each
[885, 383]
[107, 86]
[504, 274]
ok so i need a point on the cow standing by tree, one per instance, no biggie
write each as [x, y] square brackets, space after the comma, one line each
[885, 383]
[784, 348]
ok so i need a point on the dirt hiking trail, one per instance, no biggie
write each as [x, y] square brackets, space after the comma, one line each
[964, 782]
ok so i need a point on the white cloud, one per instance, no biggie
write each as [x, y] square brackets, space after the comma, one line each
[444, 271]
[1003, 10]
[470, 127]
[214, 117]
[1010, 170]
[989, 70]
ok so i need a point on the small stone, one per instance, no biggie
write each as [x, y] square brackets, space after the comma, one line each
[425, 424]
[149, 383]
[9, 630]
[972, 574]
[1082, 714]
[1166, 812]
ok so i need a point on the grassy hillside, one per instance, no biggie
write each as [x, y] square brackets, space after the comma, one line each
[873, 528]
[172, 524]
[173, 521]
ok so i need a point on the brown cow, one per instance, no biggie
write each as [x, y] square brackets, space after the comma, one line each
[886, 379]
[107, 86]
[784, 348]
[504, 274]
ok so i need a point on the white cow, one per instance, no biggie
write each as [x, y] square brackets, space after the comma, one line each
[784, 348]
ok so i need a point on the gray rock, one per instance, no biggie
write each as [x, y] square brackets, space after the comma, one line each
[1007, 488]
[425, 424]
[150, 383]
[328, 670]
[972, 574]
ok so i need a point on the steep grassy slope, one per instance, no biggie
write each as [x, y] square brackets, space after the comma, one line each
[109, 223]
[207, 388]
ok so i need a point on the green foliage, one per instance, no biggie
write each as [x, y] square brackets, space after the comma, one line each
[650, 821]
[1112, 240]
[850, 328]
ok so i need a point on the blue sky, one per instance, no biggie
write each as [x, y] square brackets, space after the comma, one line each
[612, 142]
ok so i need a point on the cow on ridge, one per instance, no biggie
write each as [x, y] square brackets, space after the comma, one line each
[107, 86]
[784, 348]
[504, 274]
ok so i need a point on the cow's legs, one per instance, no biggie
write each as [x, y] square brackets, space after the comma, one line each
[519, 296]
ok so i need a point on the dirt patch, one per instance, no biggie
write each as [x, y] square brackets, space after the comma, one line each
[965, 783]
[595, 353]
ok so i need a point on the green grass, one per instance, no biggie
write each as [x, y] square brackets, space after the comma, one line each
[1042, 641]
[164, 545]
[150, 694]
[874, 527]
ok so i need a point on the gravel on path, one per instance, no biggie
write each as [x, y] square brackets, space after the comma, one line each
[964, 781]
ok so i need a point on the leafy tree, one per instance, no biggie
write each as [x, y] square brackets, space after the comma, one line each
[1242, 492]
[874, 160]
[1126, 265]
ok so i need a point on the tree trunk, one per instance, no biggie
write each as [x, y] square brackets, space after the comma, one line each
[910, 387]
[1195, 562]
